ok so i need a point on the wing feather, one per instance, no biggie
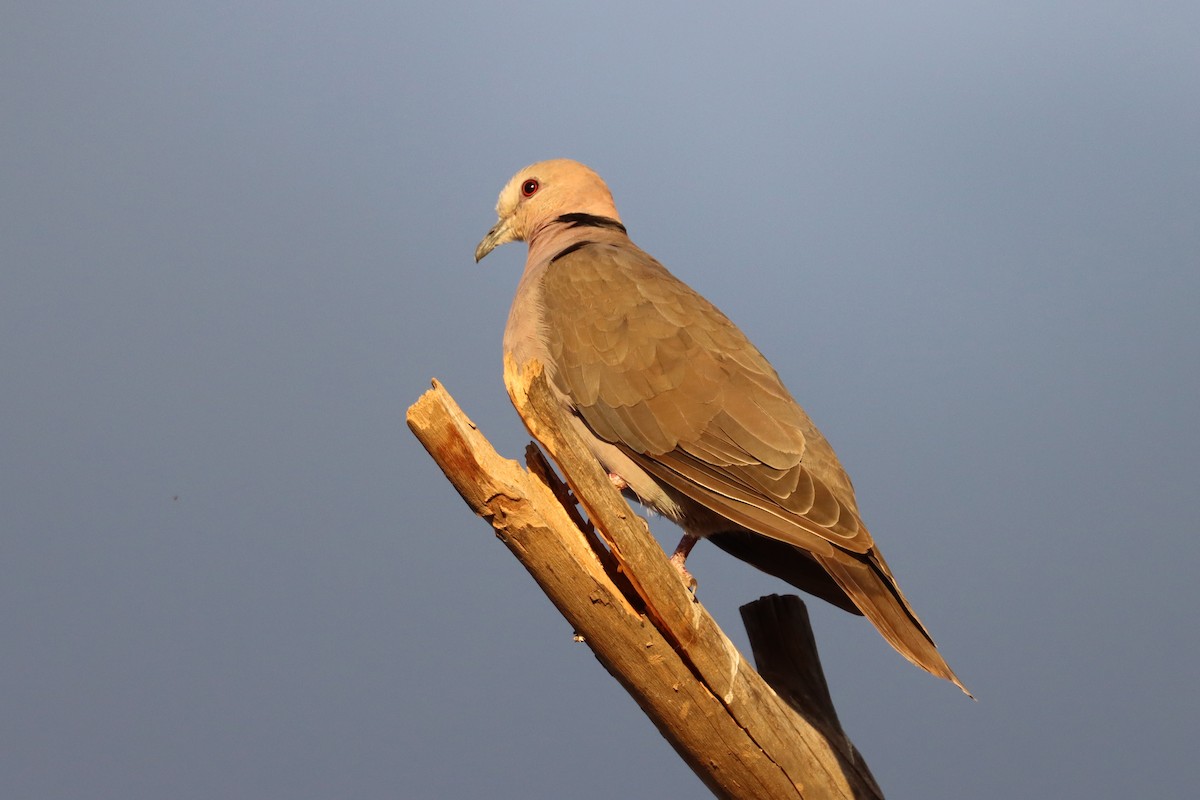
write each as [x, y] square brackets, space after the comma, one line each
[653, 367]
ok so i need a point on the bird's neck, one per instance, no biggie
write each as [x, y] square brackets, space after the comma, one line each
[567, 229]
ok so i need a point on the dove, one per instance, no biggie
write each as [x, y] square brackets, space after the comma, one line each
[681, 409]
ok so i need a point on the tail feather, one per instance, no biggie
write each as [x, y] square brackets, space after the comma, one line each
[869, 584]
[786, 562]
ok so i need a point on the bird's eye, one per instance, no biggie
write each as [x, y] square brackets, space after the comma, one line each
[529, 187]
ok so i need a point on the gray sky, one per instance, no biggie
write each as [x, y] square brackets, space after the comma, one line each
[236, 244]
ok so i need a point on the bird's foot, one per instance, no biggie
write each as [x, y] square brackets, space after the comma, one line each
[688, 579]
[679, 560]
[617, 481]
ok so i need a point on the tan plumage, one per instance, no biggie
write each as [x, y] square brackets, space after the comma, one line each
[675, 401]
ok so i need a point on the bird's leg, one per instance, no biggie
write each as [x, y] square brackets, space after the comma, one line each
[680, 556]
[617, 481]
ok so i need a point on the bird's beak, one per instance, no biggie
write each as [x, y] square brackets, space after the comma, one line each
[501, 233]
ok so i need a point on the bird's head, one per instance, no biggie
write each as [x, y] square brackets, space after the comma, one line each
[539, 194]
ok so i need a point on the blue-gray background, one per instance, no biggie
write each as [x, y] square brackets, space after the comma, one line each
[235, 245]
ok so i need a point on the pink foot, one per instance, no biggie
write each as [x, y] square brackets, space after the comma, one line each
[679, 560]
[617, 481]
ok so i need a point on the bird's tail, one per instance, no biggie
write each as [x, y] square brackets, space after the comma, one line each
[869, 584]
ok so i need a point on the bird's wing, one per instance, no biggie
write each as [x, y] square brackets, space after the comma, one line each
[654, 368]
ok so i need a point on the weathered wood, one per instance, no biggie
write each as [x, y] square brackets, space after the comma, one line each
[785, 652]
[619, 592]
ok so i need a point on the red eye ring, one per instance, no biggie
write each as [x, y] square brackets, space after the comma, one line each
[529, 187]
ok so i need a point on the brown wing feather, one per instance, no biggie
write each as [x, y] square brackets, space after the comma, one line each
[652, 366]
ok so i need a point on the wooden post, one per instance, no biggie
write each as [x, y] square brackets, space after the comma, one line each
[615, 586]
[785, 651]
